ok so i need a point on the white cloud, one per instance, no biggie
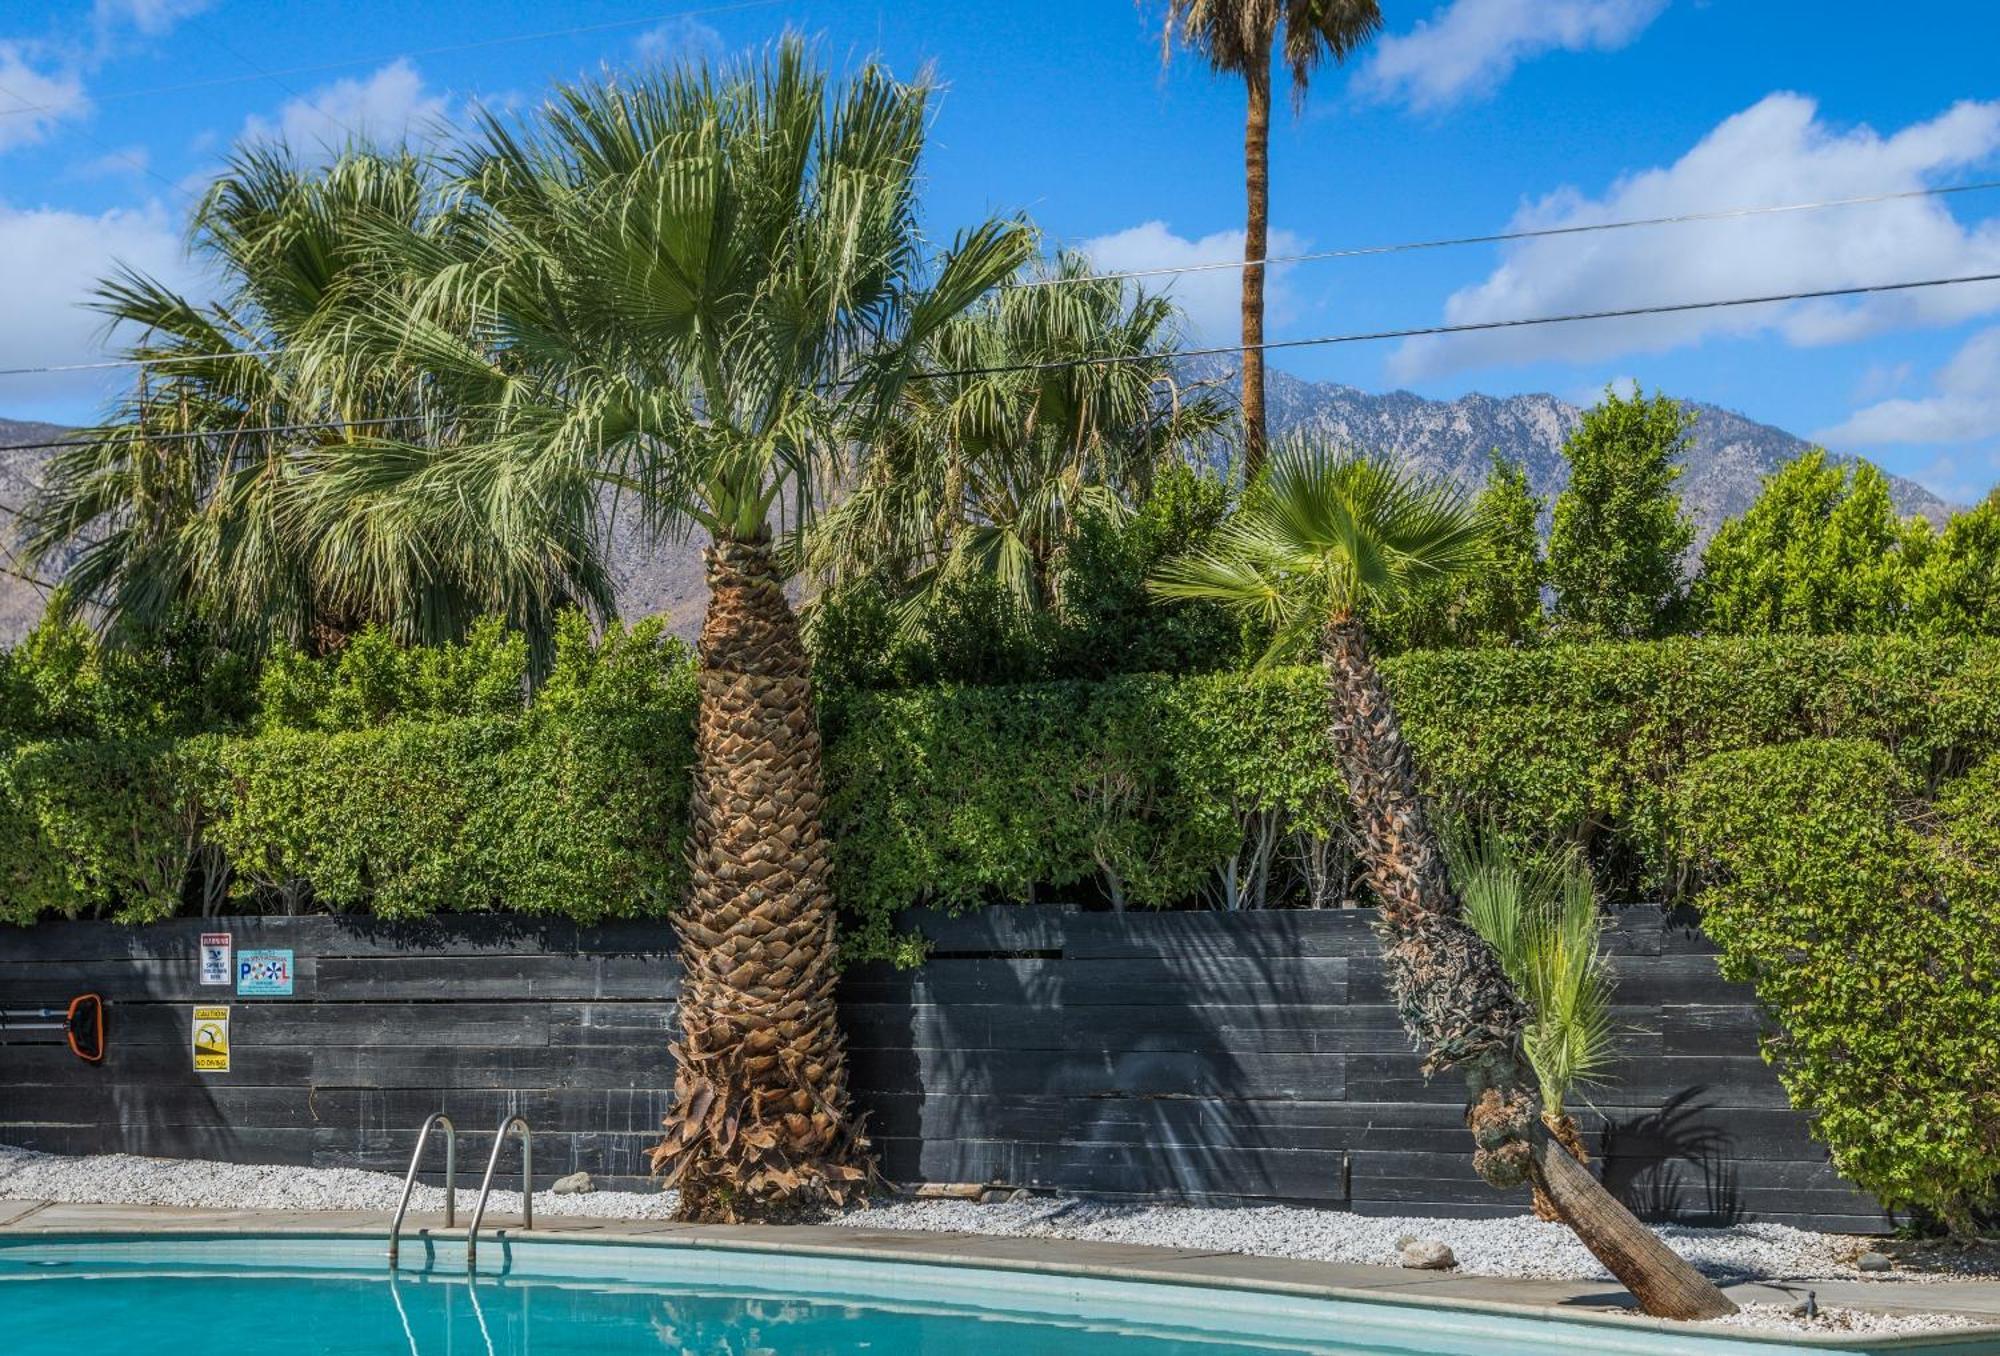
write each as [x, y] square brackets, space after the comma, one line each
[1212, 298]
[389, 106]
[49, 262]
[1965, 409]
[34, 101]
[679, 39]
[150, 17]
[1469, 48]
[1776, 152]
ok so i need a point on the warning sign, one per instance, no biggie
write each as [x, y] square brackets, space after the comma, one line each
[211, 1040]
[215, 966]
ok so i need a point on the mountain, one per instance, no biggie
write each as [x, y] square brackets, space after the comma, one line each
[1728, 458]
[1730, 454]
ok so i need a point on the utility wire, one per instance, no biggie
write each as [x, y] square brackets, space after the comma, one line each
[162, 361]
[1537, 233]
[1356, 252]
[480, 45]
[1426, 331]
[1473, 326]
[321, 426]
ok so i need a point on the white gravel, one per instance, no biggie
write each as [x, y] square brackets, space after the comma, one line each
[1516, 1246]
[124, 1179]
[1520, 1246]
[1785, 1318]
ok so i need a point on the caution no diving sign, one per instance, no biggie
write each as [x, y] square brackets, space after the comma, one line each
[211, 1040]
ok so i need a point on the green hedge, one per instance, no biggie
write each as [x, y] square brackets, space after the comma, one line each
[1870, 925]
[396, 783]
[413, 782]
[964, 795]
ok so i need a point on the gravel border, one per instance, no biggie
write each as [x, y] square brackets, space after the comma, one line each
[1519, 1246]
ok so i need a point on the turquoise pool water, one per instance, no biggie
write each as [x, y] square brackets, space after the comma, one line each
[227, 1296]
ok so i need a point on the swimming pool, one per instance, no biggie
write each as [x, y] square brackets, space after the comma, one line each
[332, 1295]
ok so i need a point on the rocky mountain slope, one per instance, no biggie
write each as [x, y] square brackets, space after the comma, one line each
[1729, 456]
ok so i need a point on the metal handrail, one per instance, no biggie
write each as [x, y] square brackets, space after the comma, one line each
[410, 1179]
[486, 1185]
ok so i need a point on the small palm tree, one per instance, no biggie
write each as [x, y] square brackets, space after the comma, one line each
[697, 293]
[1541, 917]
[1327, 540]
[1241, 38]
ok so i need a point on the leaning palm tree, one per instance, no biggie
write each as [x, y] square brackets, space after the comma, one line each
[1240, 37]
[693, 293]
[1052, 399]
[189, 499]
[1328, 539]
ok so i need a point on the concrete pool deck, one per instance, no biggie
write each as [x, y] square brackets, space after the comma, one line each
[1978, 1300]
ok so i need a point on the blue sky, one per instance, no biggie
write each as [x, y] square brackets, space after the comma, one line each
[1468, 116]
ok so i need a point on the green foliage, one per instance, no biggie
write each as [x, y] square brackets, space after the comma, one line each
[106, 826]
[60, 682]
[1873, 937]
[373, 680]
[1540, 916]
[1582, 742]
[1821, 551]
[1956, 591]
[970, 628]
[1219, 784]
[1140, 788]
[1498, 604]
[401, 783]
[1618, 533]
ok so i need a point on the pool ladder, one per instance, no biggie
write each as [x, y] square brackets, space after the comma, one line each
[517, 1124]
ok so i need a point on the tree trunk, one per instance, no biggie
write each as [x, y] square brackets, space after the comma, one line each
[1454, 998]
[1569, 1136]
[761, 1126]
[1256, 236]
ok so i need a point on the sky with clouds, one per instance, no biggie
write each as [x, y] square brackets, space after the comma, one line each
[1465, 117]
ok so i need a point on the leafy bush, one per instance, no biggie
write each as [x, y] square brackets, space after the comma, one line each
[1873, 938]
[106, 826]
[404, 784]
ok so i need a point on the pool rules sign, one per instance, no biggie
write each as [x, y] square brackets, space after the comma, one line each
[211, 1040]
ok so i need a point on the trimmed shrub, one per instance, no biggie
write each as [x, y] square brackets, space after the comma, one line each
[1872, 935]
[107, 826]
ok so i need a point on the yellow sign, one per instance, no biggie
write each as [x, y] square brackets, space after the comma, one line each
[211, 1040]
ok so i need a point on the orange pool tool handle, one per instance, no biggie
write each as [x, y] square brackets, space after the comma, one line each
[86, 1011]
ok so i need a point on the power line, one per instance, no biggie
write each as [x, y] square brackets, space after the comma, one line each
[322, 426]
[1469, 327]
[1537, 233]
[110, 363]
[1361, 251]
[480, 45]
[1426, 331]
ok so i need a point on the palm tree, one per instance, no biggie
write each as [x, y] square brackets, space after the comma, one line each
[190, 499]
[1053, 398]
[1240, 37]
[696, 293]
[1329, 539]
[1540, 915]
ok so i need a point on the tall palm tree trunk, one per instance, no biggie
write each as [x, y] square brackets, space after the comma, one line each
[761, 1126]
[1455, 999]
[1256, 237]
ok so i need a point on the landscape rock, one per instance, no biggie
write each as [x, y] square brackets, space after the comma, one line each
[1875, 1261]
[576, 1184]
[1428, 1254]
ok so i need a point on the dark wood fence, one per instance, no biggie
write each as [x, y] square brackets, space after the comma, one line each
[1186, 1056]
